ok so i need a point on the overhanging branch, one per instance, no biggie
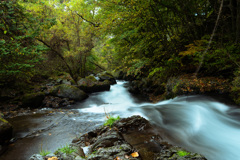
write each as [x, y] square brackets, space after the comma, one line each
[94, 24]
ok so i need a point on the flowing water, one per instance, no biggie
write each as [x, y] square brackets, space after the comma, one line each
[197, 123]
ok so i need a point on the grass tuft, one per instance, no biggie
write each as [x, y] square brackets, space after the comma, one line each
[111, 120]
[183, 153]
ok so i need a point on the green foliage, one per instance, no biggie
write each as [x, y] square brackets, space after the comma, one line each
[66, 149]
[68, 31]
[111, 120]
[136, 66]
[158, 39]
[19, 53]
[183, 153]
[44, 152]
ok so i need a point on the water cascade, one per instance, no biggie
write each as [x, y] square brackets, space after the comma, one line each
[197, 123]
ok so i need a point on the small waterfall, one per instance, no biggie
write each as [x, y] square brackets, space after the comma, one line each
[197, 123]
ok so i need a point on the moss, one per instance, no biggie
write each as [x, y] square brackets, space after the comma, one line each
[92, 78]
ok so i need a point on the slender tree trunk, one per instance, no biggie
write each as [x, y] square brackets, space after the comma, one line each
[210, 40]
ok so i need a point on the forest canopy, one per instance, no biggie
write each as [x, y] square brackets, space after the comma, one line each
[154, 38]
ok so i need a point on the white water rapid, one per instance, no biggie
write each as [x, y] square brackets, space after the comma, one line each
[197, 123]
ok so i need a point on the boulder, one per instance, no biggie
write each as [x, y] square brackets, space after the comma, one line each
[56, 102]
[68, 91]
[33, 100]
[90, 84]
[6, 131]
[119, 75]
[106, 76]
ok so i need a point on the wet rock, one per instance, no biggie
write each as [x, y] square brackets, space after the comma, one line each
[132, 138]
[36, 157]
[106, 76]
[107, 144]
[68, 91]
[56, 102]
[6, 131]
[107, 139]
[33, 100]
[90, 84]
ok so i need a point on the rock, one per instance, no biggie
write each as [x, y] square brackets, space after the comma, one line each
[66, 82]
[36, 157]
[68, 91]
[107, 144]
[56, 102]
[131, 135]
[33, 100]
[90, 84]
[79, 158]
[106, 76]
[119, 75]
[6, 131]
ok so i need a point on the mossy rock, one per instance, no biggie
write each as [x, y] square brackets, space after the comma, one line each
[6, 131]
[92, 78]
[68, 91]
[33, 100]
[90, 85]
[106, 76]
[119, 74]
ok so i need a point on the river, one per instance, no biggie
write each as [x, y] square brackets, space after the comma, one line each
[197, 123]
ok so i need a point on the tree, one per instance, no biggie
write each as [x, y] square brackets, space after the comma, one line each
[71, 37]
[19, 52]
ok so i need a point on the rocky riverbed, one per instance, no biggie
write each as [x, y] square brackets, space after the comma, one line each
[128, 138]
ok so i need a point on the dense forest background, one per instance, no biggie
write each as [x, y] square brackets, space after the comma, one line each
[155, 39]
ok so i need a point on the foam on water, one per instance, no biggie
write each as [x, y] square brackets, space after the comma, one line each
[197, 123]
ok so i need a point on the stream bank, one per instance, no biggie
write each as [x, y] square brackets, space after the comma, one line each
[130, 138]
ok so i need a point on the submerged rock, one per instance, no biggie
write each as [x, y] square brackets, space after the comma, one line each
[68, 91]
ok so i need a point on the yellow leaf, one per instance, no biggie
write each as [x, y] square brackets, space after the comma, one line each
[53, 158]
[117, 158]
[135, 154]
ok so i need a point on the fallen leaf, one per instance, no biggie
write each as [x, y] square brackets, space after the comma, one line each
[53, 158]
[135, 154]
[117, 158]
[49, 134]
